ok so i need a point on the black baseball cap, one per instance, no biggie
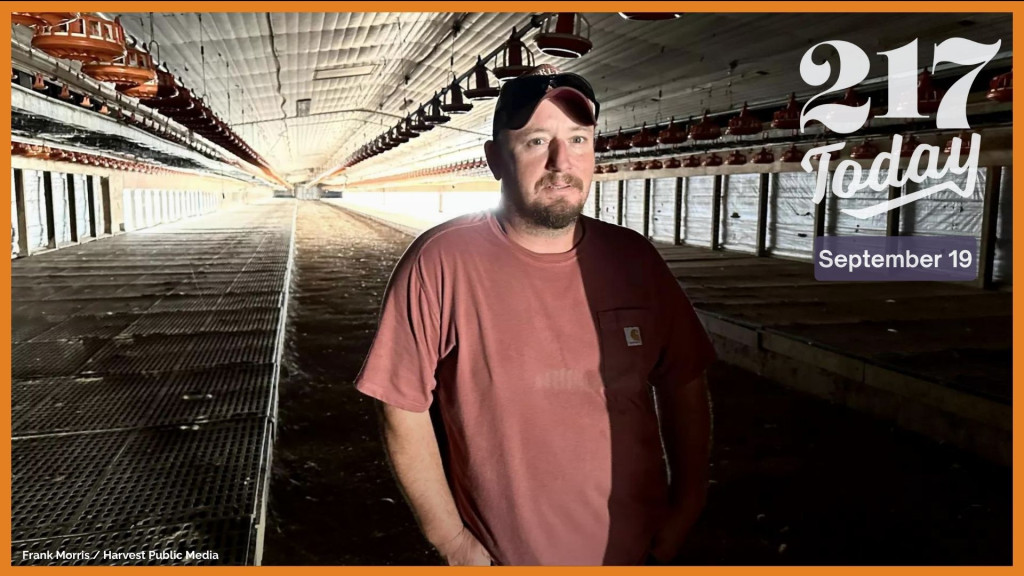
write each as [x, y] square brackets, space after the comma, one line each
[520, 96]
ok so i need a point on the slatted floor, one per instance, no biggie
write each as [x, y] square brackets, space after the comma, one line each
[145, 369]
[941, 344]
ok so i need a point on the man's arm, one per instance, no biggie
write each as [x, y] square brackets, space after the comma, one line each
[416, 462]
[685, 419]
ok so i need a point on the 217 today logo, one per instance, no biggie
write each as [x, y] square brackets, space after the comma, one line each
[902, 92]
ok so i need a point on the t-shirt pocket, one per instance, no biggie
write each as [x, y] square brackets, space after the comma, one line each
[626, 341]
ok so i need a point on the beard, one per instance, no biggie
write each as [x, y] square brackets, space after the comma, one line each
[556, 215]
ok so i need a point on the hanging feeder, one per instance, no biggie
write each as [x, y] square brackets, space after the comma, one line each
[85, 103]
[87, 38]
[638, 165]
[763, 157]
[928, 97]
[611, 169]
[787, 118]
[483, 89]
[39, 84]
[456, 105]
[406, 129]
[619, 142]
[513, 63]
[866, 149]
[435, 116]
[42, 18]
[965, 144]
[745, 124]
[706, 129]
[65, 94]
[909, 145]
[568, 38]
[600, 144]
[598, 169]
[643, 139]
[1000, 88]
[673, 163]
[179, 101]
[672, 134]
[712, 160]
[396, 137]
[654, 165]
[649, 16]
[134, 67]
[736, 158]
[27, 19]
[692, 161]
[166, 89]
[793, 154]
[851, 98]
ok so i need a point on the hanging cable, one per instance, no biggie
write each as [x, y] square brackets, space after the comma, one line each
[202, 54]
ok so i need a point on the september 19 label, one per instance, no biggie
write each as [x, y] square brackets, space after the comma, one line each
[896, 258]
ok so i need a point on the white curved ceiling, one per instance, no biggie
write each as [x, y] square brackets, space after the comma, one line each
[267, 62]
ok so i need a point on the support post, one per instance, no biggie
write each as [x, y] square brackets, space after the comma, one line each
[51, 227]
[19, 201]
[716, 211]
[990, 217]
[762, 215]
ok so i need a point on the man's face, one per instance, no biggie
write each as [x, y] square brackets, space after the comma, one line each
[546, 166]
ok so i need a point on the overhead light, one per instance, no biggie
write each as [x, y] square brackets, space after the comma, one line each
[343, 72]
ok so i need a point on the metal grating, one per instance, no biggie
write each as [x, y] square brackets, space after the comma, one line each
[52, 476]
[139, 354]
[228, 538]
[25, 326]
[101, 482]
[166, 353]
[140, 411]
[37, 359]
[75, 327]
[230, 348]
[86, 292]
[214, 394]
[78, 404]
[115, 401]
[169, 323]
[180, 474]
[249, 320]
[248, 301]
[119, 306]
[36, 292]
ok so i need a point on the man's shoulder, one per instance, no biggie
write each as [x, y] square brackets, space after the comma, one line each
[454, 233]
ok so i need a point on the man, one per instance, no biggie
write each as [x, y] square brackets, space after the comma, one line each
[542, 333]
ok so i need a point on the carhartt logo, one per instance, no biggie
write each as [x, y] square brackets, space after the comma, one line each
[633, 336]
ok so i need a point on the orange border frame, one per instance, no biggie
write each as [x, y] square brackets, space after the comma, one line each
[531, 6]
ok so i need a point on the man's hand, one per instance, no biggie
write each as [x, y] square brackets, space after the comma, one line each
[685, 418]
[465, 550]
[669, 539]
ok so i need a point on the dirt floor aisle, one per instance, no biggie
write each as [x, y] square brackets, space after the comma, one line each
[333, 500]
[794, 479]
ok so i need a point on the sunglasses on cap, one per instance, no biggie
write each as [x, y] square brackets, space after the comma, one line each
[520, 96]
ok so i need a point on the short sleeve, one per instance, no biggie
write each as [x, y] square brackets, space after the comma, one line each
[399, 368]
[687, 350]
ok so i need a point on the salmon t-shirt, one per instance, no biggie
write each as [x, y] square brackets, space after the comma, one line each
[543, 365]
